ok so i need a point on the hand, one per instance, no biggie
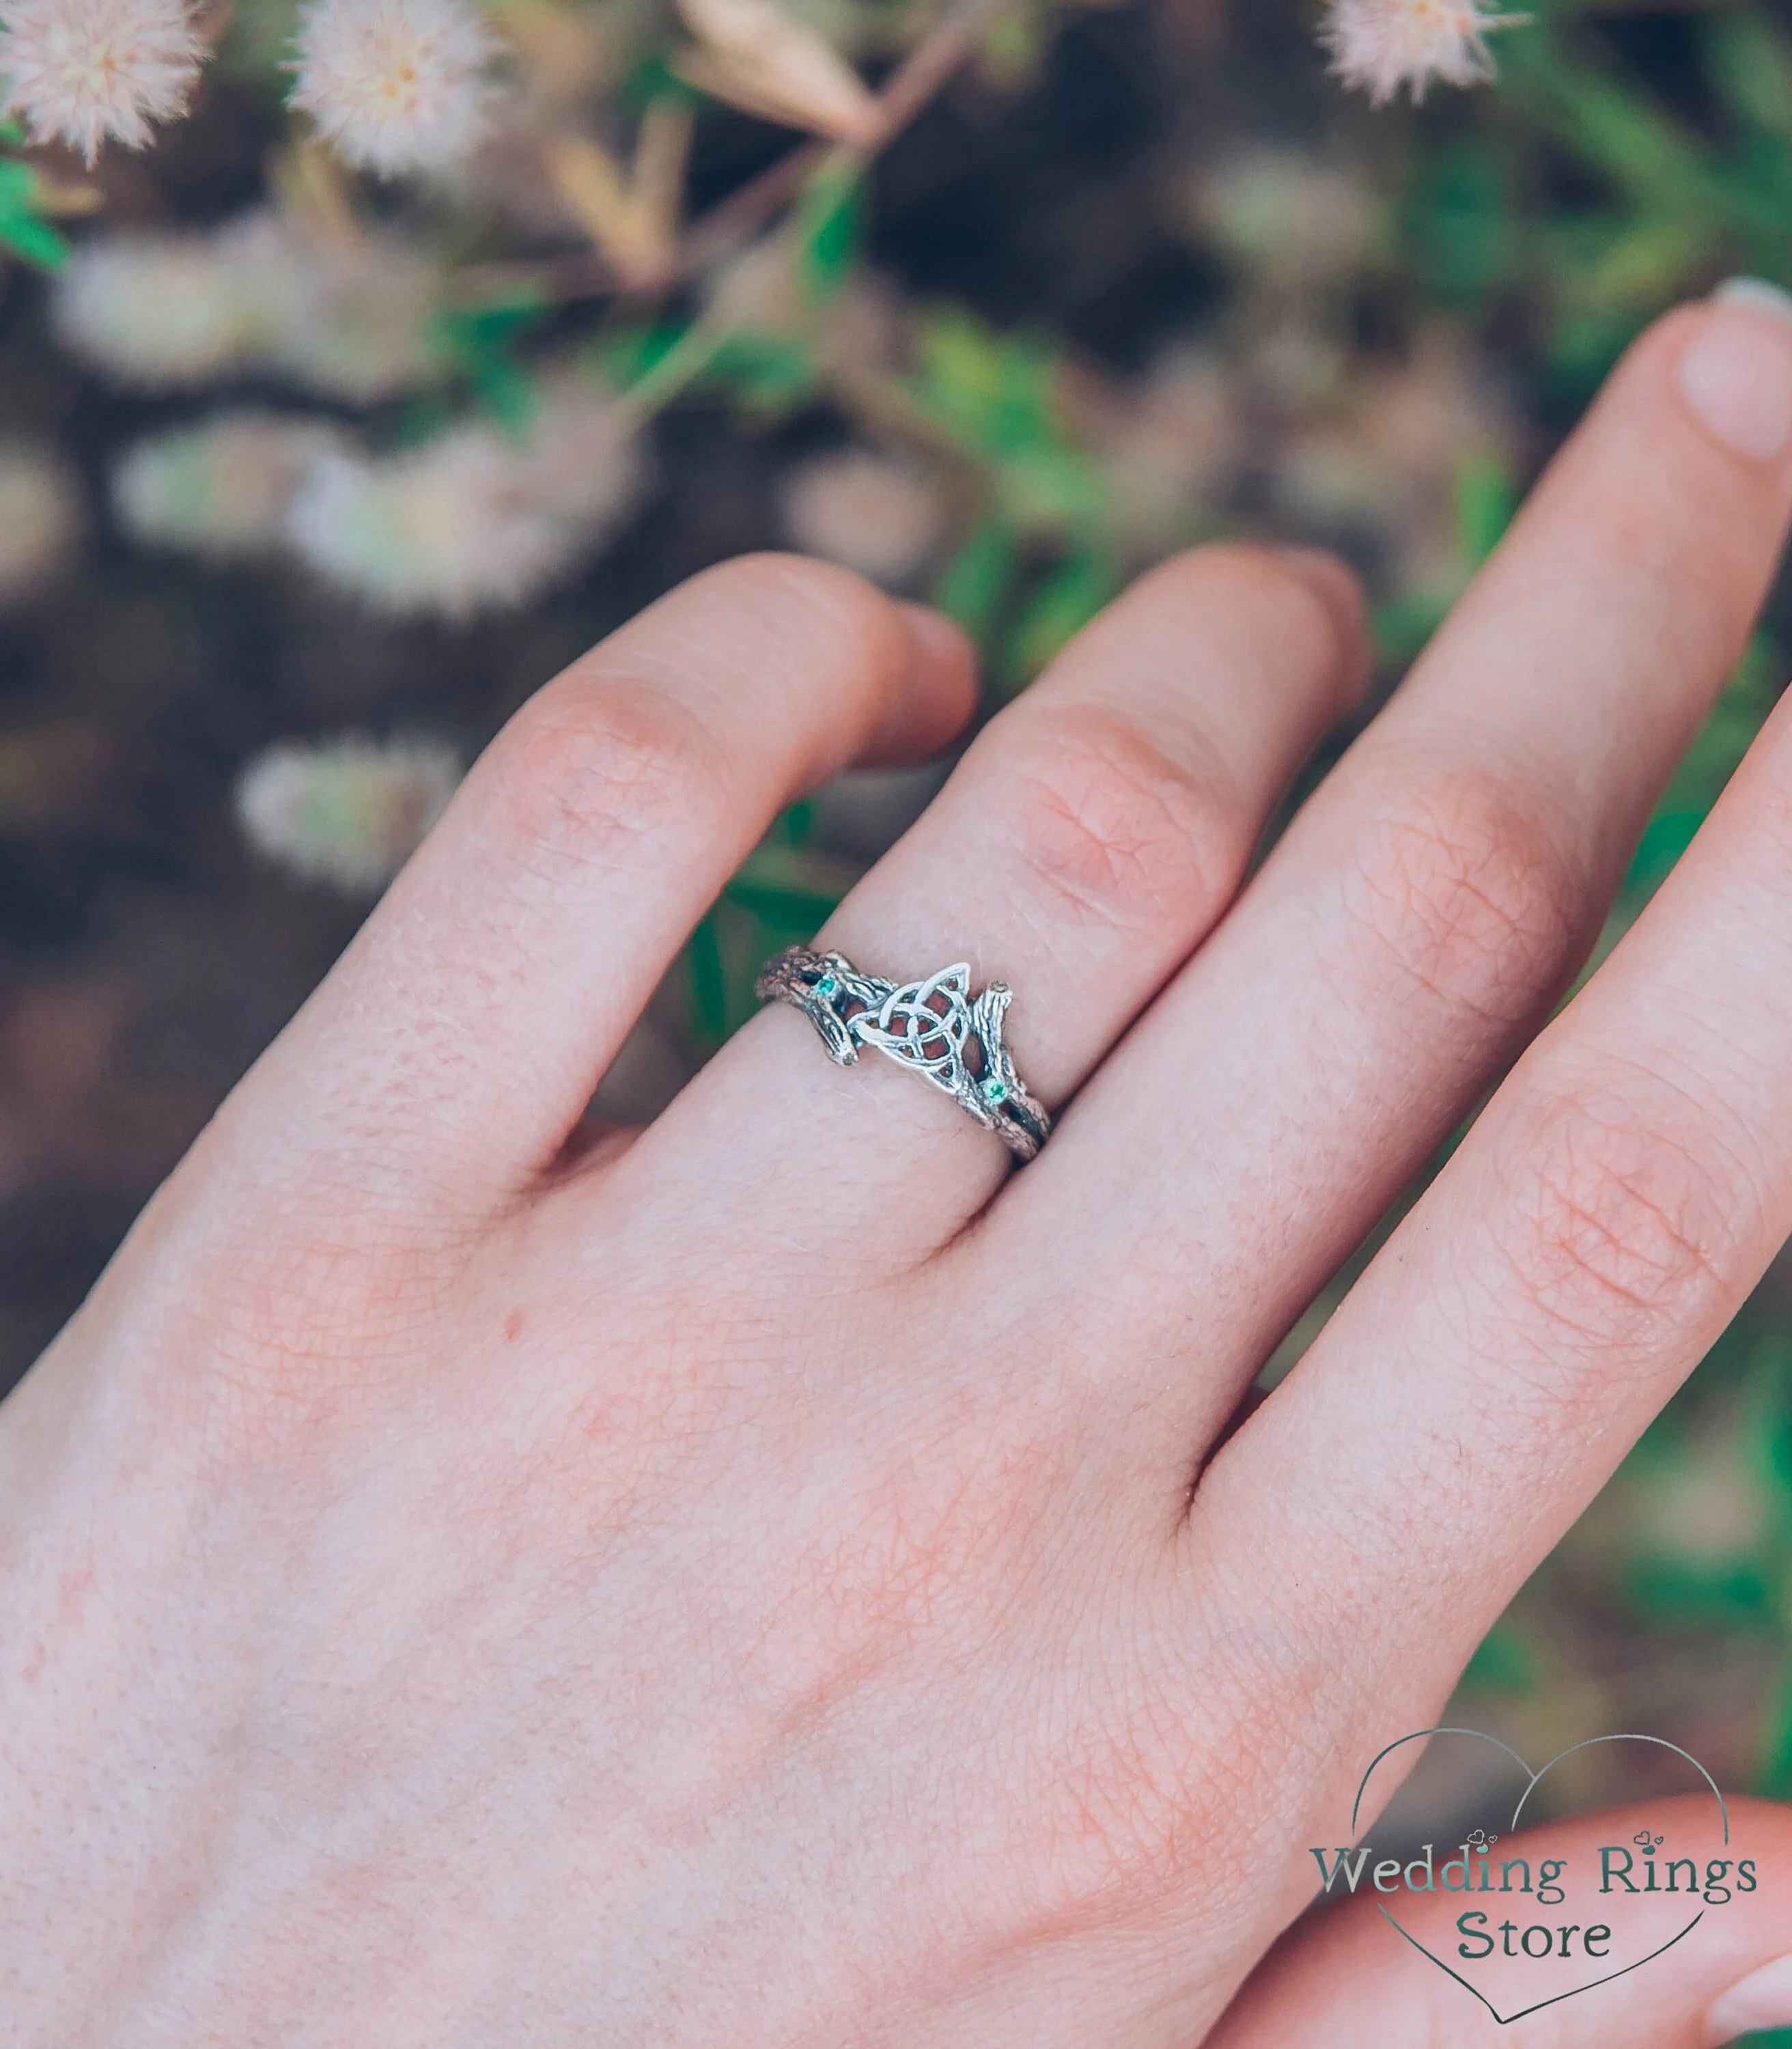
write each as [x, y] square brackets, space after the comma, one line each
[781, 1578]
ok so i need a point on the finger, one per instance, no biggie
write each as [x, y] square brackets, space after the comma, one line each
[1087, 840]
[1421, 915]
[1585, 1247]
[464, 1029]
[1344, 1977]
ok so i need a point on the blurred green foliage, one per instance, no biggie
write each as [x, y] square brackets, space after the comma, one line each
[25, 220]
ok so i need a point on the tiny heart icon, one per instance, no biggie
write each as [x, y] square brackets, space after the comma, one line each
[1519, 1928]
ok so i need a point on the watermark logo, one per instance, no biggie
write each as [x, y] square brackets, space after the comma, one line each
[1520, 1931]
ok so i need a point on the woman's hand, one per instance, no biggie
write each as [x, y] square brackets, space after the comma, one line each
[771, 1581]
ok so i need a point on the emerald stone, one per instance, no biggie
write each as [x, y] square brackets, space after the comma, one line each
[826, 986]
[995, 1091]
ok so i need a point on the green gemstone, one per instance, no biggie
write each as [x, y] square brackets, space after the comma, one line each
[995, 1091]
[826, 986]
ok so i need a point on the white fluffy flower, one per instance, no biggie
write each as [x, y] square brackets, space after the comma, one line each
[473, 520]
[395, 85]
[165, 312]
[169, 313]
[221, 489]
[348, 812]
[444, 528]
[867, 511]
[352, 321]
[84, 72]
[1382, 45]
[40, 518]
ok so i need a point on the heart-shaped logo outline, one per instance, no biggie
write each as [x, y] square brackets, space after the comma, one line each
[1534, 1779]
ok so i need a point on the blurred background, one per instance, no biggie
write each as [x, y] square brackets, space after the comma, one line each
[310, 475]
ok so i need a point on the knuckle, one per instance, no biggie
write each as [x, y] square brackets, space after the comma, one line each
[1113, 828]
[1474, 902]
[596, 769]
[1628, 1227]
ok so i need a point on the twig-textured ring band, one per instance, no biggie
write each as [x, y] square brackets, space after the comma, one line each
[935, 1027]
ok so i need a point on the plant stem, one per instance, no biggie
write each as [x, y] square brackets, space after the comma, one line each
[927, 69]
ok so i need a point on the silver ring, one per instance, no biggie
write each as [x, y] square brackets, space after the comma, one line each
[934, 1028]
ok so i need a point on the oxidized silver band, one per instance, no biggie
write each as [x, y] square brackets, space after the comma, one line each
[934, 1027]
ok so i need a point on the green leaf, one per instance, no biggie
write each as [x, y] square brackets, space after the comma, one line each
[1774, 1777]
[1458, 224]
[1733, 1595]
[32, 238]
[829, 229]
[496, 321]
[1403, 625]
[974, 585]
[1773, 1440]
[768, 374]
[1717, 752]
[783, 904]
[1058, 610]
[1582, 351]
[1014, 45]
[653, 78]
[1608, 123]
[626, 354]
[1664, 839]
[24, 228]
[994, 392]
[995, 397]
[478, 342]
[1487, 502]
[708, 983]
[795, 826]
[961, 373]
[1505, 1662]
[1049, 488]
[1749, 63]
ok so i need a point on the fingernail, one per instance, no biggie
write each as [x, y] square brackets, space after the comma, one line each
[1764, 2000]
[1737, 374]
[1758, 292]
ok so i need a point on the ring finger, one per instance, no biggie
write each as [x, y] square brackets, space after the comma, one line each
[1086, 844]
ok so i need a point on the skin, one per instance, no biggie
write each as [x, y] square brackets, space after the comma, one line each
[783, 1578]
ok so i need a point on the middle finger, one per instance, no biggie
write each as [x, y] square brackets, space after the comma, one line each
[1427, 905]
